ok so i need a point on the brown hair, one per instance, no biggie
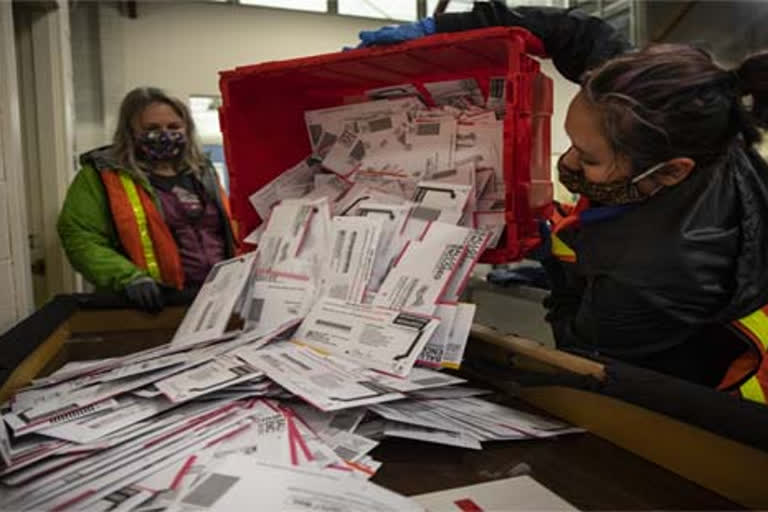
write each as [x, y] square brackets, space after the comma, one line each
[124, 140]
[671, 101]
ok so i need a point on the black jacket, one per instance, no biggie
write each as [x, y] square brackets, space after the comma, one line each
[658, 284]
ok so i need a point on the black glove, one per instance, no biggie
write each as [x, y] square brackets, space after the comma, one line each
[575, 41]
[145, 294]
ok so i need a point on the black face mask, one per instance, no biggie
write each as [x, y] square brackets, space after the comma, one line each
[612, 193]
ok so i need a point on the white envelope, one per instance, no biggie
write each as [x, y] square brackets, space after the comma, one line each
[209, 314]
[497, 95]
[220, 373]
[438, 201]
[346, 154]
[329, 383]
[519, 493]
[275, 303]
[459, 335]
[476, 242]
[433, 352]
[461, 92]
[239, 478]
[492, 221]
[285, 232]
[375, 337]
[393, 220]
[354, 244]
[431, 435]
[424, 270]
[418, 379]
[128, 411]
[5, 444]
[291, 183]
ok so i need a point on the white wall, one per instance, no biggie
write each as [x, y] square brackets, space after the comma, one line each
[15, 280]
[563, 94]
[181, 47]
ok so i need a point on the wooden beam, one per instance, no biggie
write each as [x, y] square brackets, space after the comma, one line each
[538, 352]
[122, 320]
[35, 362]
[729, 468]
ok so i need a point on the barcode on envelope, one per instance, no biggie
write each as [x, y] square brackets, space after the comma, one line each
[343, 421]
[347, 138]
[452, 349]
[497, 87]
[254, 313]
[444, 174]
[430, 381]
[203, 316]
[350, 252]
[334, 325]
[428, 129]
[358, 152]
[211, 490]
[121, 495]
[377, 125]
[431, 353]
[203, 374]
[424, 213]
[328, 139]
[214, 317]
[342, 234]
[78, 413]
[345, 453]
[413, 321]
[296, 362]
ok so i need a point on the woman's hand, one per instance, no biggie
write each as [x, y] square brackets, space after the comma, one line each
[145, 294]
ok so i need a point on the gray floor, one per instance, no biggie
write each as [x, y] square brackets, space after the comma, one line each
[514, 310]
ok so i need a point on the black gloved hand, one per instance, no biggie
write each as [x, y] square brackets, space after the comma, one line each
[145, 294]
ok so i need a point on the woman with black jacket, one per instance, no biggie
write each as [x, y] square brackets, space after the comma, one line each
[666, 260]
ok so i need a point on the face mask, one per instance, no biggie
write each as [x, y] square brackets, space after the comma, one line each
[613, 193]
[159, 145]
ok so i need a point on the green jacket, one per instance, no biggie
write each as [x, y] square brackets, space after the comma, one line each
[87, 231]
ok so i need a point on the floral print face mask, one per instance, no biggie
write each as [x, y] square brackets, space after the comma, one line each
[161, 145]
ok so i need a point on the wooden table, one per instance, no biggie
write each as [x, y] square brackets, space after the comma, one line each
[583, 469]
[586, 470]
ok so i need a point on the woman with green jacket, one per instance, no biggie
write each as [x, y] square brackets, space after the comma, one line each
[147, 211]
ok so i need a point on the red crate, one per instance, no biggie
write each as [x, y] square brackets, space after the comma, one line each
[262, 116]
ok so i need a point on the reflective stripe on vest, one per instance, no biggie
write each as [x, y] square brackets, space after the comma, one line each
[755, 327]
[752, 390]
[561, 250]
[141, 222]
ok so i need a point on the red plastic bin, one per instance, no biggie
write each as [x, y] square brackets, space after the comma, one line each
[262, 114]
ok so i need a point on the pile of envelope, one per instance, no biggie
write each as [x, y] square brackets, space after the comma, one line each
[297, 358]
[446, 161]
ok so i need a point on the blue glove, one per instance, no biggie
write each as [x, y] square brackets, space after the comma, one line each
[543, 251]
[531, 275]
[398, 33]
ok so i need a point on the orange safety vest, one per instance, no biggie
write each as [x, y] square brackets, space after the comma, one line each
[143, 233]
[748, 374]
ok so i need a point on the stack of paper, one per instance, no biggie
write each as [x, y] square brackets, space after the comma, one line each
[519, 493]
[296, 358]
[446, 158]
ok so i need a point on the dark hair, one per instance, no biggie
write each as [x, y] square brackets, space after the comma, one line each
[124, 140]
[670, 101]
